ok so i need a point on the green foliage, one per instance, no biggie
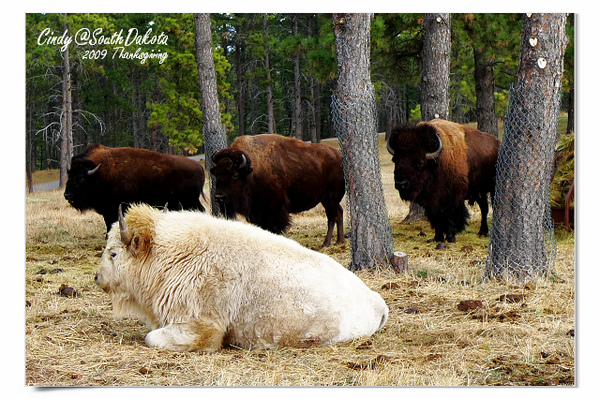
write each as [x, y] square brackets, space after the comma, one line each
[415, 114]
[128, 102]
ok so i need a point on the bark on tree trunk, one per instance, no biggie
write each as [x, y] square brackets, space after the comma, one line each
[354, 116]
[30, 151]
[435, 78]
[214, 134]
[297, 88]
[241, 88]
[154, 136]
[269, 88]
[66, 147]
[517, 239]
[571, 112]
[484, 92]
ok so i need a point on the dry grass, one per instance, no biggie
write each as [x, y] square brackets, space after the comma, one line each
[428, 340]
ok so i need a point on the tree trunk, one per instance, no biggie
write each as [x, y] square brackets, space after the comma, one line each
[154, 134]
[269, 87]
[354, 116]
[241, 87]
[66, 147]
[253, 107]
[571, 112]
[484, 91]
[521, 223]
[297, 88]
[435, 80]
[214, 134]
[435, 77]
[30, 148]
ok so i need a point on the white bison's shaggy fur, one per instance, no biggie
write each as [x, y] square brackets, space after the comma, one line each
[202, 283]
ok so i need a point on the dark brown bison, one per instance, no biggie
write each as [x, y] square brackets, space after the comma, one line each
[267, 177]
[439, 165]
[102, 178]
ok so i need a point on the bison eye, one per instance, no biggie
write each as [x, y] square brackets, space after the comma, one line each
[420, 163]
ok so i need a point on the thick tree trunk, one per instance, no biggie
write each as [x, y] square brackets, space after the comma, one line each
[66, 148]
[214, 134]
[435, 77]
[354, 116]
[484, 91]
[521, 205]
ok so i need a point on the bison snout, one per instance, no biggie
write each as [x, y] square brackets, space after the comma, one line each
[102, 284]
[401, 184]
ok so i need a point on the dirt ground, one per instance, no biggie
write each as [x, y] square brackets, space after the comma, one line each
[447, 325]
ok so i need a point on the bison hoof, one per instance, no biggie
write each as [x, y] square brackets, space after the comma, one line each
[451, 238]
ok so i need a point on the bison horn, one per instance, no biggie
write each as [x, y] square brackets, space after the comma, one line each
[92, 171]
[436, 153]
[126, 234]
[389, 148]
[244, 162]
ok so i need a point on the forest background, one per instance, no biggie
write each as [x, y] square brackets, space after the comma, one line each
[270, 67]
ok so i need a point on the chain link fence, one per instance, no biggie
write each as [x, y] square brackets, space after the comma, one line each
[356, 126]
[522, 242]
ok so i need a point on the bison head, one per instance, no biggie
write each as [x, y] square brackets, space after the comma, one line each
[415, 150]
[231, 169]
[81, 183]
[129, 246]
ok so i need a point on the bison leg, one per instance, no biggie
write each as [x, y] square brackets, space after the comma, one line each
[340, 225]
[448, 222]
[335, 217]
[483, 205]
[197, 335]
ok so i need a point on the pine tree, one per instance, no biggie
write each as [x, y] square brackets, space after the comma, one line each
[356, 126]
[214, 134]
[521, 204]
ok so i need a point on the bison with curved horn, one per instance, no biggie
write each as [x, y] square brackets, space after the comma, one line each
[440, 165]
[268, 176]
[102, 178]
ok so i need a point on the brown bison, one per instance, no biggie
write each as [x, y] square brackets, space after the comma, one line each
[267, 177]
[439, 165]
[102, 178]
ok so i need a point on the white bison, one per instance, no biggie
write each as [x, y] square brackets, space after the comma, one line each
[202, 283]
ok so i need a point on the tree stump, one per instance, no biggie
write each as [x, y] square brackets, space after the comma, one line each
[400, 262]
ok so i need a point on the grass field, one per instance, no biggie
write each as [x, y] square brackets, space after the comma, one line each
[430, 338]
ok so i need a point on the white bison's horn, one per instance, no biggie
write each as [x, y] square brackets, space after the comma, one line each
[436, 153]
[126, 234]
[92, 171]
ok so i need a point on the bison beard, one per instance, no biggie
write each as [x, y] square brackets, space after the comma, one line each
[439, 165]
